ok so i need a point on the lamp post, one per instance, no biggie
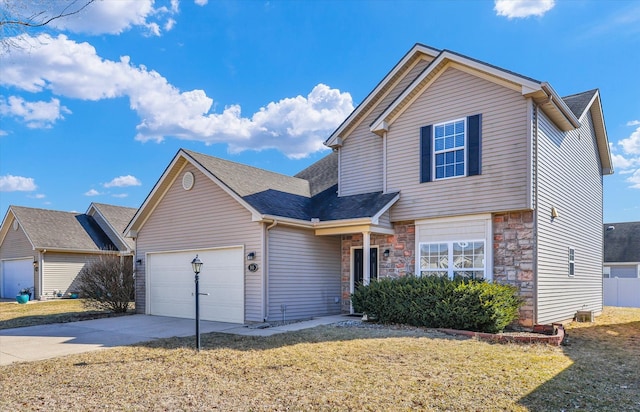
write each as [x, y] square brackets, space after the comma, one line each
[196, 265]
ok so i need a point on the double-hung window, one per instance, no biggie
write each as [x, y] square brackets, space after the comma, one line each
[459, 259]
[449, 149]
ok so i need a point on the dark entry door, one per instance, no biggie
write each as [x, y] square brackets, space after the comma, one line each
[358, 266]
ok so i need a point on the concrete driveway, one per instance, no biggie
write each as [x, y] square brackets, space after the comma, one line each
[51, 341]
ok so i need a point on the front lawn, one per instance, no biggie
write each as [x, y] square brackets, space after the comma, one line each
[14, 315]
[344, 368]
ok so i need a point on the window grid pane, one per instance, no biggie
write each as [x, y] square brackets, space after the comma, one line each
[464, 259]
[449, 148]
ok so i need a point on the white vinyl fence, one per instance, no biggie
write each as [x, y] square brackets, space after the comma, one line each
[622, 292]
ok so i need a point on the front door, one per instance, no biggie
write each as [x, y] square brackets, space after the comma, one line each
[358, 266]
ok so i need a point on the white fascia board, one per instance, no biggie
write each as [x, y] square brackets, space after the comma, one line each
[222, 185]
[5, 227]
[154, 197]
[376, 217]
[418, 48]
[94, 209]
[527, 86]
[602, 139]
[85, 251]
[621, 263]
[151, 196]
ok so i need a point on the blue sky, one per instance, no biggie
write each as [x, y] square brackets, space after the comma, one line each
[95, 106]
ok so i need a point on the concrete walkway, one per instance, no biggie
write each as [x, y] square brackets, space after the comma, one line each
[51, 341]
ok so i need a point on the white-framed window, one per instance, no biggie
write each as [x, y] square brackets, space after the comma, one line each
[449, 149]
[458, 259]
[572, 262]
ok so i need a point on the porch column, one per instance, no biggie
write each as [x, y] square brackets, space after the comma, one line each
[366, 257]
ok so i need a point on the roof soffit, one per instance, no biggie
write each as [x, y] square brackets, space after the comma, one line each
[595, 109]
[399, 71]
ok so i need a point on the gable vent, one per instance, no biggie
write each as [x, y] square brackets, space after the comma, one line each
[187, 181]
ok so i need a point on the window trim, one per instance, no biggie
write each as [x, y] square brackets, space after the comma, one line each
[465, 149]
[450, 269]
[571, 262]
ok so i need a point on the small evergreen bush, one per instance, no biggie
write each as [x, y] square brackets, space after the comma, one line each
[437, 302]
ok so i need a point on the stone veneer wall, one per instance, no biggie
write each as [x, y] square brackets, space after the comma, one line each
[513, 257]
[401, 258]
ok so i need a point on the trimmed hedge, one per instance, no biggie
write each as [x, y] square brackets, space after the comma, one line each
[437, 302]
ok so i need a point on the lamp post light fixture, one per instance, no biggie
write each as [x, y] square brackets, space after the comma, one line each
[196, 265]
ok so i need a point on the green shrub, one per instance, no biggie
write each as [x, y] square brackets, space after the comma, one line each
[437, 302]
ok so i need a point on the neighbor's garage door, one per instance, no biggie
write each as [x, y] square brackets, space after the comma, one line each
[16, 274]
[171, 283]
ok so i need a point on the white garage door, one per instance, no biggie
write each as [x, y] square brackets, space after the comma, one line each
[16, 274]
[171, 284]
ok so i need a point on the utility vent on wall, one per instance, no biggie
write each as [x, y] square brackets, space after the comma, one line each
[187, 181]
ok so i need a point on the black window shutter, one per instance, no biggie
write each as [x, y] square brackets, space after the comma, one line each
[426, 142]
[474, 138]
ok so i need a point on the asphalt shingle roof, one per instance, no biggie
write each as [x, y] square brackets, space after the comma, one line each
[119, 217]
[622, 244]
[322, 174]
[310, 194]
[248, 180]
[578, 102]
[52, 229]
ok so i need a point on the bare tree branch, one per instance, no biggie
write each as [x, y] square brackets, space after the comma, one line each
[28, 22]
[19, 16]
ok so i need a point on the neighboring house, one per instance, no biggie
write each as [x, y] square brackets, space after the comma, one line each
[622, 250]
[449, 167]
[46, 249]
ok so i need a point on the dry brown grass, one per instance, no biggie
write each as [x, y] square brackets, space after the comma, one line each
[340, 368]
[14, 315]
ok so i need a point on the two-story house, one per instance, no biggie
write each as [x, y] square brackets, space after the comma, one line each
[449, 167]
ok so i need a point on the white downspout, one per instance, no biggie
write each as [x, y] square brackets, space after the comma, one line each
[265, 271]
[384, 162]
[366, 257]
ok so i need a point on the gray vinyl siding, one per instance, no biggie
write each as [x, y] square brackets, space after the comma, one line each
[361, 155]
[569, 179]
[304, 274]
[203, 217]
[385, 219]
[16, 245]
[61, 271]
[504, 179]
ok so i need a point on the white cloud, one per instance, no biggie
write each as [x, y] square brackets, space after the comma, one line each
[38, 196]
[120, 195]
[10, 183]
[123, 181]
[296, 126]
[634, 179]
[201, 2]
[115, 17]
[514, 9]
[92, 192]
[633, 123]
[628, 162]
[37, 115]
[631, 145]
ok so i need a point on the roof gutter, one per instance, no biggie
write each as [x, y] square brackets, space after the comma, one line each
[557, 101]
